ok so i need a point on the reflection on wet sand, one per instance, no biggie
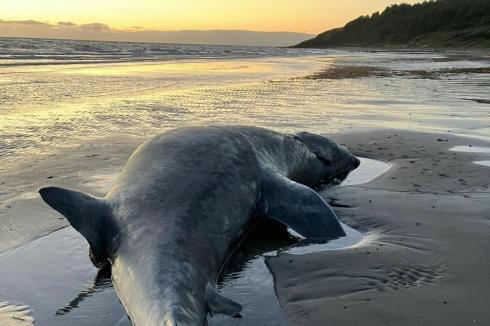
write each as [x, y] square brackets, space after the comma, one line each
[152, 69]
[101, 282]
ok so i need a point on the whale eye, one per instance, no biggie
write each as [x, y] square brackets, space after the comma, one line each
[324, 160]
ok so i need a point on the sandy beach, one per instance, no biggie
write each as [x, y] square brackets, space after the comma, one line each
[424, 257]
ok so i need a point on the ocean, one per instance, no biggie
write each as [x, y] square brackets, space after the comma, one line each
[33, 52]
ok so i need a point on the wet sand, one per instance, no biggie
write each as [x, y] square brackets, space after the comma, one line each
[89, 167]
[426, 262]
[346, 72]
[442, 66]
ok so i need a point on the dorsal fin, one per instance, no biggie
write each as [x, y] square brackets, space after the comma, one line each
[87, 214]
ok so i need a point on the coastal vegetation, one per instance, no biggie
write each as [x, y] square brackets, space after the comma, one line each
[431, 24]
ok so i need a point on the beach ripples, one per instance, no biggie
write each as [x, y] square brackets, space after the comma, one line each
[286, 104]
[11, 315]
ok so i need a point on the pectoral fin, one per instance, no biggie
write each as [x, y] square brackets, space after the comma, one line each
[299, 207]
[219, 304]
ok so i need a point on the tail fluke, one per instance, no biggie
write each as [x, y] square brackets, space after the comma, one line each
[89, 215]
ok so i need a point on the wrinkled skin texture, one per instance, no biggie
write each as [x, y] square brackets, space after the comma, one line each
[187, 197]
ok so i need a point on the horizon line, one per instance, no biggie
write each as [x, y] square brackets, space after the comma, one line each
[142, 42]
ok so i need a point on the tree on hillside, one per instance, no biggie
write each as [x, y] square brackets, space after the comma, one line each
[404, 23]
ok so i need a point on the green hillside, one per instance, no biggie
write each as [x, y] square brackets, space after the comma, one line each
[431, 24]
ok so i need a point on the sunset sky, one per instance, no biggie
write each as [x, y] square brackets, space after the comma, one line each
[303, 16]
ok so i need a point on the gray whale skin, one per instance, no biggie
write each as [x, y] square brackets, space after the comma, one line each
[184, 201]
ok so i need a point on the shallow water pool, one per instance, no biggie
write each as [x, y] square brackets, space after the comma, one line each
[470, 149]
[484, 163]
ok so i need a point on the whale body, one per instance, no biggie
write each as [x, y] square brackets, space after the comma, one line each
[184, 201]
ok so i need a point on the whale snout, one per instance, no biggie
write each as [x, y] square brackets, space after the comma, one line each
[355, 162]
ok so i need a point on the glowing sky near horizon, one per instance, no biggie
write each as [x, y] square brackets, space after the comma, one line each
[312, 16]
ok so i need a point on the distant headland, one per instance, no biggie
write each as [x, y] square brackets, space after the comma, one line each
[431, 24]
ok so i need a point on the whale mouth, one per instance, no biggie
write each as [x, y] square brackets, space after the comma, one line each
[332, 181]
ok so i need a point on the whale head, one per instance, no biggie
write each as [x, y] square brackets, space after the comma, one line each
[335, 159]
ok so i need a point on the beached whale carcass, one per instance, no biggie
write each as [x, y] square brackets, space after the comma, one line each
[183, 202]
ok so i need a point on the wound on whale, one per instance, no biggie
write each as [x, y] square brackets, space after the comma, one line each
[184, 201]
